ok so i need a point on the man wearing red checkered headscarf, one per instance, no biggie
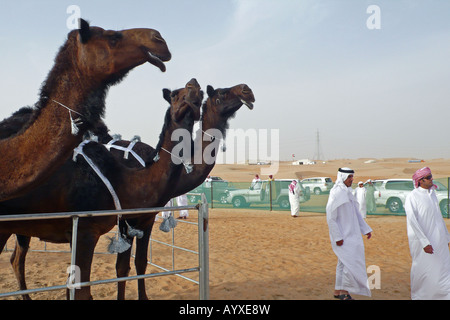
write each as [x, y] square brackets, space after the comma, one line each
[428, 241]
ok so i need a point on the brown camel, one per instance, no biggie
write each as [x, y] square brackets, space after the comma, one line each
[220, 106]
[91, 60]
[76, 188]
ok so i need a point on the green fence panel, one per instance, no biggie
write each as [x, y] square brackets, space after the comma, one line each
[273, 196]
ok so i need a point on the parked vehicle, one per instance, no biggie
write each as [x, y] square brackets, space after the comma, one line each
[217, 188]
[318, 185]
[391, 193]
[279, 189]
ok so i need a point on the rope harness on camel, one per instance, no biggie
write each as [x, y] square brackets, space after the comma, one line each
[126, 150]
[74, 123]
[118, 244]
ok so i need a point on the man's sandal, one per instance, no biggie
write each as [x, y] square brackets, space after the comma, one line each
[344, 297]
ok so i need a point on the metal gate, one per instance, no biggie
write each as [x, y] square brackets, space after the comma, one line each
[203, 247]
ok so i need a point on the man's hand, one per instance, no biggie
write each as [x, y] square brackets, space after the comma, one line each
[369, 235]
[428, 249]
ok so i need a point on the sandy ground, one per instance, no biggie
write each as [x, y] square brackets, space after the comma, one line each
[254, 255]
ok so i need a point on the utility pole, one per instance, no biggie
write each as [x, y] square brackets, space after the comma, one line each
[319, 154]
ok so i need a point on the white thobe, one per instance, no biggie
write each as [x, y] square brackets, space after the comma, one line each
[346, 223]
[430, 273]
[294, 200]
[182, 200]
[360, 195]
[166, 214]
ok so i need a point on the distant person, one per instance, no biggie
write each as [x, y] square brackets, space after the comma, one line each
[272, 188]
[346, 225]
[370, 197]
[428, 241]
[208, 182]
[294, 198]
[166, 214]
[360, 195]
[256, 183]
[182, 201]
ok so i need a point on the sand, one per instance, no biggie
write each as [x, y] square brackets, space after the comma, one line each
[254, 255]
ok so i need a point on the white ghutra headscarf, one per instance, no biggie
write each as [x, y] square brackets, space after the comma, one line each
[340, 193]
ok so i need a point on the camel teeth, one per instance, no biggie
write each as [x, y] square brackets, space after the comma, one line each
[248, 104]
[153, 56]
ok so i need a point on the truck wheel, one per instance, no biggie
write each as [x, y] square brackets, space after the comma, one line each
[239, 202]
[284, 203]
[194, 199]
[395, 205]
[223, 198]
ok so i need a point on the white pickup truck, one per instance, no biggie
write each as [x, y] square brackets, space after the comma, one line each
[260, 193]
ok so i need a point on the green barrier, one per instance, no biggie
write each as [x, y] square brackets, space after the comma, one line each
[273, 196]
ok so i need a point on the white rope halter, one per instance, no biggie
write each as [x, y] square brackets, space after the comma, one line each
[126, 150]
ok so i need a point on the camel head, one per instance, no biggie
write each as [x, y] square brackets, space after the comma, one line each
[105, 54]
[225, 102]
[182, 100]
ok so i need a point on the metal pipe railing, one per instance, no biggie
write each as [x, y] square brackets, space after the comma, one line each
[203, 241]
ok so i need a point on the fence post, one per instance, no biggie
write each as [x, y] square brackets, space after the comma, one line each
[203, 248]
[448, 197]
[270, 194]
[211, 195]
[74, 253]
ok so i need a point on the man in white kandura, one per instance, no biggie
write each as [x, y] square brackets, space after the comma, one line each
[182, 201]
[294, 198]
[360, 195]
[346, 225]
[428, 240]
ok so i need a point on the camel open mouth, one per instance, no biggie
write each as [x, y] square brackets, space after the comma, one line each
[156, 61]
[248, 104]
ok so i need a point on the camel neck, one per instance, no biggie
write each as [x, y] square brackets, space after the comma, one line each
[156, 181]
[207, 142]
[35, 152]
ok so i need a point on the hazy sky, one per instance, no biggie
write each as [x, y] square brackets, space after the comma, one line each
[313, 65]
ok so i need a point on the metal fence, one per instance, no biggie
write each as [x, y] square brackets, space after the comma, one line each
[224, 194]
[203, 247]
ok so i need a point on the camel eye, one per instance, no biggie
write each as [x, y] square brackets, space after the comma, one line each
[114, 39]
[217, 101]
[112, 42]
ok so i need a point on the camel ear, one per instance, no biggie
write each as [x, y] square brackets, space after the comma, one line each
[85, 31]
[210, 91]
[166, 95]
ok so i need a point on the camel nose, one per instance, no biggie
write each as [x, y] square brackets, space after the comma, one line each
[193, 84]
[245, 89]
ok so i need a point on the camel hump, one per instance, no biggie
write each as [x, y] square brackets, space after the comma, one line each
[16, 122]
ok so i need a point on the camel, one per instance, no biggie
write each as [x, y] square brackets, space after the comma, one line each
[83, 191]
[91, 60]
[220, 106]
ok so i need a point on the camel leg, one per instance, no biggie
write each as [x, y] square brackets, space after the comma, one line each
[122, 270]
[85, 252]
[141, 261]
[18, 262]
